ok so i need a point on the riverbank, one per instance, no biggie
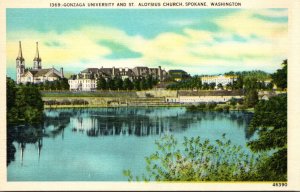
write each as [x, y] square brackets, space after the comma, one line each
[114, 102]
[149, 98]
[91, 102]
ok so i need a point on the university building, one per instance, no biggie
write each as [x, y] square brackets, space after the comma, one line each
[219, 79]
[86, 80]
[36, 74]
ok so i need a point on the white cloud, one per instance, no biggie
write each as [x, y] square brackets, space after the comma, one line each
[192, 49]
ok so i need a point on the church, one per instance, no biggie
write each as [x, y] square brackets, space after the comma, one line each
[36, 74]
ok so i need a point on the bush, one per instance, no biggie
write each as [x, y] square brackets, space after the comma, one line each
[211, 106]
[199, 160]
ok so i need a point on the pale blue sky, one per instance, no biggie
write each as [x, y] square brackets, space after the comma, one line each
[199, 41]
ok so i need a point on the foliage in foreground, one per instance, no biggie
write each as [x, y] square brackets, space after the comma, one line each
[24, 103]
[198, 160]
[270, 123]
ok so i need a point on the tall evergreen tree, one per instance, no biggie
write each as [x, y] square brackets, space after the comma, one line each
[270, 122]
[280, 76]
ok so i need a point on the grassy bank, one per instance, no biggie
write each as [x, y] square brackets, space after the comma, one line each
[89, 94]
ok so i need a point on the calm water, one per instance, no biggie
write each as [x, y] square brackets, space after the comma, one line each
[98, 144]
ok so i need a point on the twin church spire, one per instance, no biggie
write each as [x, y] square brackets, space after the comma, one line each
[20, 61]
[37, 61]
[35, 74]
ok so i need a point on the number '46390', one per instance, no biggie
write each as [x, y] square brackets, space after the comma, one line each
[279, 184]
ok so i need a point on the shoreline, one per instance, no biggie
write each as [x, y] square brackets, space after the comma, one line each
[250, 110]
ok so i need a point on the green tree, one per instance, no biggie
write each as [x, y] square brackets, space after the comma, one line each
[149, 82]
[24, 103]
[205, 86]
[143, 84]
[239, 83]
[57, 84]
[199, 160]
[220, 86]
[280, 76]
[64, 84]
[101, 83]
[229, 86]
[212, 86]
[47, 85]
[251, 83]
[233, 101]
[118, 83]
[269, 86]
[127, 85]
[10, 93]
[270, 123]
[251, 98]
[136, 84]
[111, 84]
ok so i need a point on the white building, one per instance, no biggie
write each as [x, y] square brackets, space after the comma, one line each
[205, 97]
[82, 84]
[201, 99]
[219, 79]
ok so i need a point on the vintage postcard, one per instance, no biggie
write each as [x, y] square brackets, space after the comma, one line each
[149, 95]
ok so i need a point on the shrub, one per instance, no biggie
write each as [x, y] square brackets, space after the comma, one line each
[198, 160]
[211, 106]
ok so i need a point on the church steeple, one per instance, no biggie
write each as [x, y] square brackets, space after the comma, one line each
[20, 64]
[20, 55]
[37, 61]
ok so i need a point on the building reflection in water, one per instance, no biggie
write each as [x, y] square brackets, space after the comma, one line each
[128, 122]
[112, 122]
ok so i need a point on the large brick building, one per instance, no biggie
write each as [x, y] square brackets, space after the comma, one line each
[86, 80]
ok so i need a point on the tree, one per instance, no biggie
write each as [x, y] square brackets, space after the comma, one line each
[127, 84]
[136, 84]
[251, 83]
[199, 160]
[10, 93]
[24, 103]
[64, 84]
[205, 86]
[118, 83]
[149, 82]
[46, 85]
[111, 84]
[239, 83]
[143, 84]
[270, 122]
[269, 86]
[233, 101]
[220, 86]
[212, 86]
[229, 86]
[101, 83]
[251, 98]
[280, 76]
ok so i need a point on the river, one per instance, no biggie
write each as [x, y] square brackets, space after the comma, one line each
[98, 144]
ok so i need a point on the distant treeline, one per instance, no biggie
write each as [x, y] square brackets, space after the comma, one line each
[245, 80]
[57, 85]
